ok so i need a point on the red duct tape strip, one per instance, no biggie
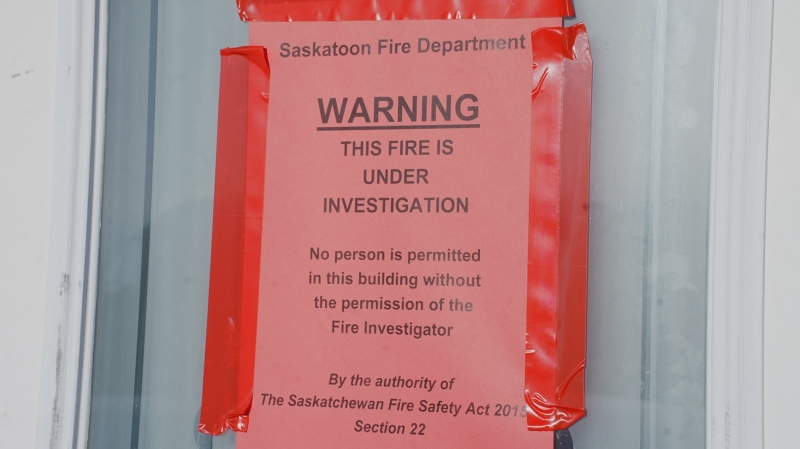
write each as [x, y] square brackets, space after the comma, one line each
[236, 240]
[559, 226]
[335, 10]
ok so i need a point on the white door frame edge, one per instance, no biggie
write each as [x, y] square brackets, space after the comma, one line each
[64, 393]
[734, 385]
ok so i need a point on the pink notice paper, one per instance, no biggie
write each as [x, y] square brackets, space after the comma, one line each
[393, 283]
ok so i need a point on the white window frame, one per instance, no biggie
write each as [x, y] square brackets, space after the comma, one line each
[64, 394]
[735, 347]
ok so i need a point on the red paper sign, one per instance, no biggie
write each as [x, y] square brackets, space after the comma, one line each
[393, 281]
[400, 226]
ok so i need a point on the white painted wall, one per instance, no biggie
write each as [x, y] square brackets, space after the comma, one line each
[27, 102]
[782, 276]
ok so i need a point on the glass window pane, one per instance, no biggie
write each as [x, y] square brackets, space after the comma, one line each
[653, 84]
[163, 81]
[651, 149]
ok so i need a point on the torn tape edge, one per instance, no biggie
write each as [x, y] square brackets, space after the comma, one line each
[355, 10]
